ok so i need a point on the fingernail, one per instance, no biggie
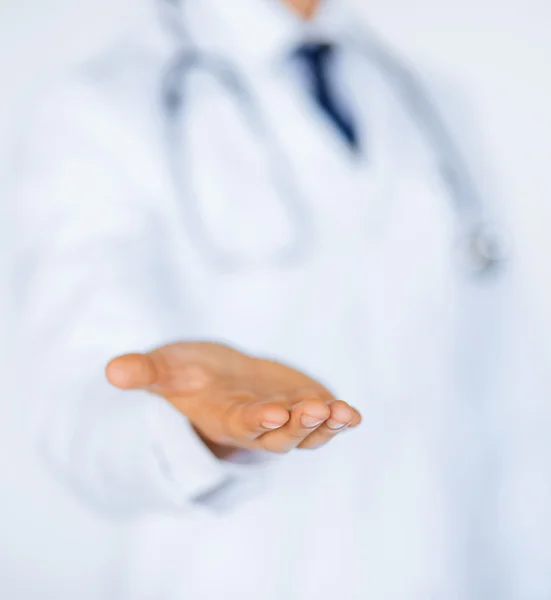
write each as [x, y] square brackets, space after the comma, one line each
[271, 425]
[308, 421]
[335, 425]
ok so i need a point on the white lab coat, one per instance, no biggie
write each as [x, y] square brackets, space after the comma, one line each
[443, 491]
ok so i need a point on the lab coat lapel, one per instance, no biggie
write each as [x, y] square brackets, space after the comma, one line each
[240, 208]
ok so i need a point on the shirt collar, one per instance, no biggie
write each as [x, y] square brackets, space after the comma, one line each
[259, 34]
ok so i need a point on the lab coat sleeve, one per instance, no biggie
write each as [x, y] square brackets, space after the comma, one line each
[93, 278]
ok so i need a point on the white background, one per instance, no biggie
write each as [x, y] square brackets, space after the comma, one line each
[500, 51]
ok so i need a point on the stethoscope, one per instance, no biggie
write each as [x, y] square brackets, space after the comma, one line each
[480, 247]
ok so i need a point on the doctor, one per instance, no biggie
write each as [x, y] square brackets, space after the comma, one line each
[273, 232]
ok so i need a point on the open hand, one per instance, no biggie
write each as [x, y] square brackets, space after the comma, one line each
[236, 401]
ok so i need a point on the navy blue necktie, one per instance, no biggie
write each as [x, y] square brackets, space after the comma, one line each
[317, 59]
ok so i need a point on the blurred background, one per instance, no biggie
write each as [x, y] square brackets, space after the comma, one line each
[498, 52]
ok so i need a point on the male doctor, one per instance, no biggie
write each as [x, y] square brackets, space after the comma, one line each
[275, 132]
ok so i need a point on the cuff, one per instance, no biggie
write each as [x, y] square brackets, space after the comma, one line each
[185, 467]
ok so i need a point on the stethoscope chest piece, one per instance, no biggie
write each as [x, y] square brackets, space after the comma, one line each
[484, 251]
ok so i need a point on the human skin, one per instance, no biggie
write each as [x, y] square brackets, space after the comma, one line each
[236, 401]
[304, 8]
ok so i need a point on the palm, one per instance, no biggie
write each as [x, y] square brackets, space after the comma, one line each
[236, 400]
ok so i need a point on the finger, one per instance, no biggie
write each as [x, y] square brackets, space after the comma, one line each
[342, 414]
[132, 371]
[342, 417]
[320, 437]
[356, 419]
[305, 418]
[250, 421]
[153, 371]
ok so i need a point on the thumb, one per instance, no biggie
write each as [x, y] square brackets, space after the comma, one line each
[132, 371]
